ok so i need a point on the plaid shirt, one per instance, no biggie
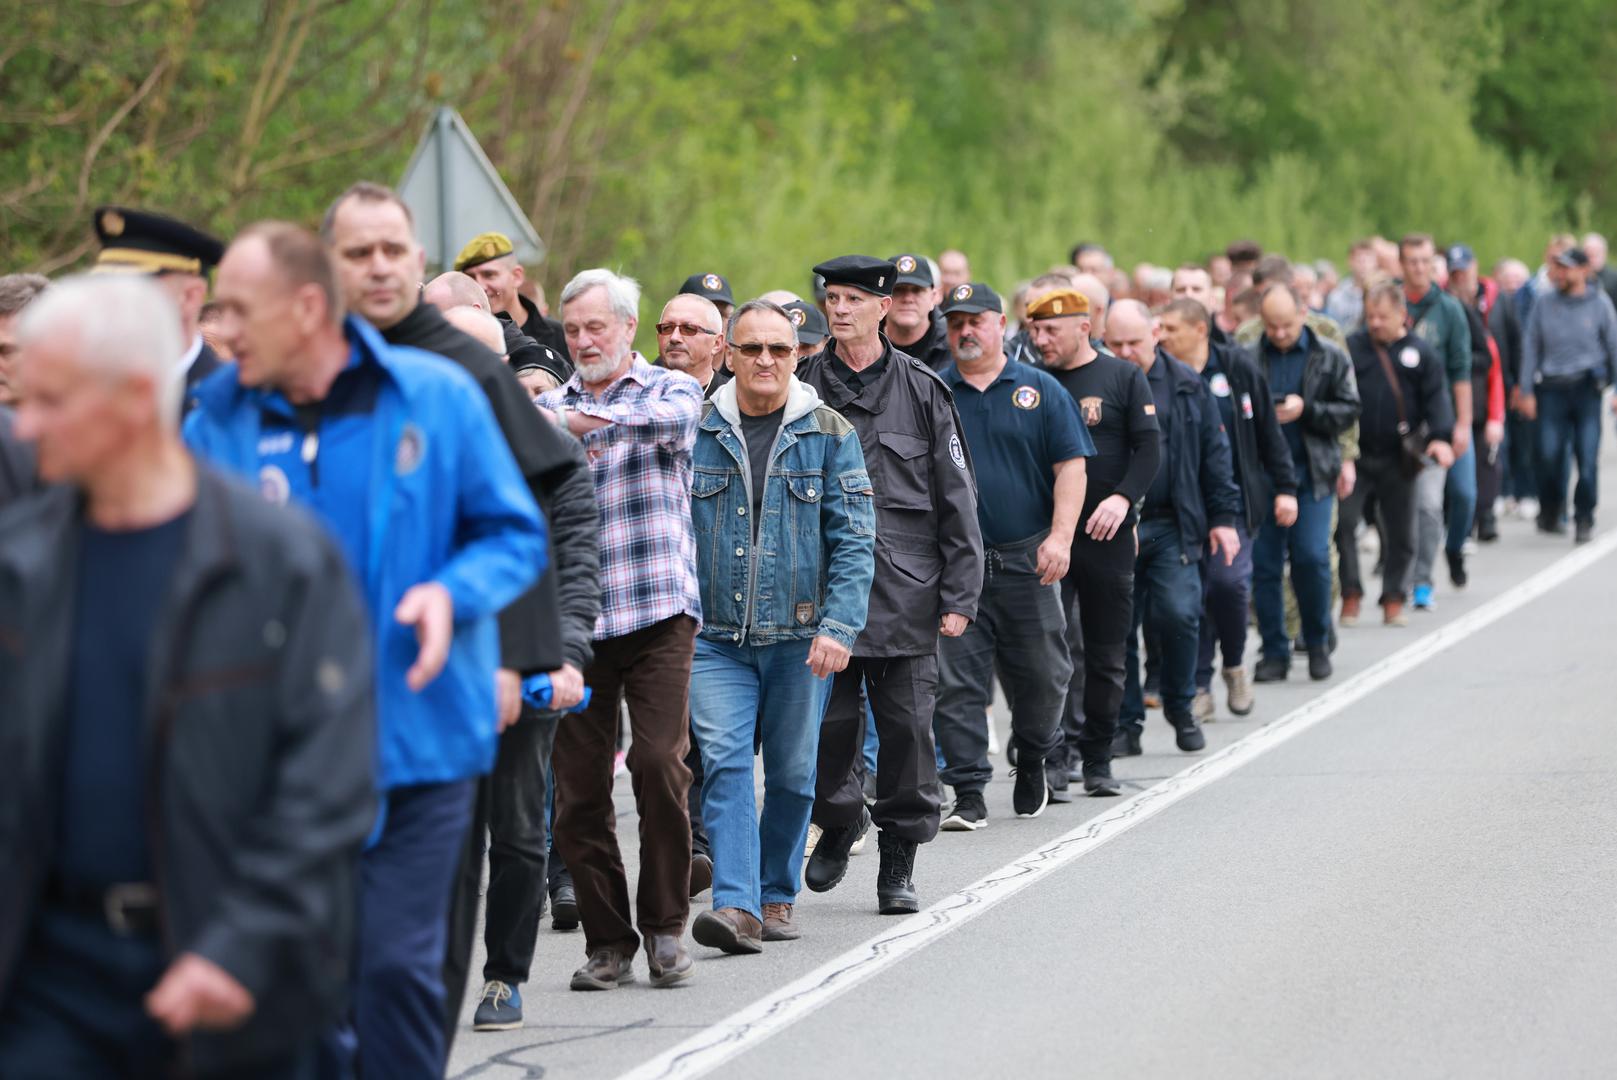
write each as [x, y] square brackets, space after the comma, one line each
[641, 463]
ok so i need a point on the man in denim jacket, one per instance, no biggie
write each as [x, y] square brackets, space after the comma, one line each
[785, 545]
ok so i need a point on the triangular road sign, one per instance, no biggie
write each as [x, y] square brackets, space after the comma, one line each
[455, 192]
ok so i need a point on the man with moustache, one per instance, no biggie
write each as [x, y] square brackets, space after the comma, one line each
[690, 338]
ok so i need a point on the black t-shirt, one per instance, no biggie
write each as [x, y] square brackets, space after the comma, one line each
[123, 578]
[1116, 404]
[759, 433]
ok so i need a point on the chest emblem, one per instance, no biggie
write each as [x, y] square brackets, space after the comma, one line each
[1220, 384]
[1025, 397]
[956, 453]
[1409, 356]
[411, 449]
[1091, 408]
[274, 486]
[1246, 406]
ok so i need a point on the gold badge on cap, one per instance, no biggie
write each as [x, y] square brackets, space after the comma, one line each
[798, 316]
[712, 282]
[112, 223]
[906, 265]
[962, 292]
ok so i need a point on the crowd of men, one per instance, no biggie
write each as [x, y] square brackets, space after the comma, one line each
[321, 581]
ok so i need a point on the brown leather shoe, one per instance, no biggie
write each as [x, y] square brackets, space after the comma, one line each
[670, 964]
[606, 969]
[730, 930]
[1350, 611]
[778, 924]
[701, 874]
[1393, 613]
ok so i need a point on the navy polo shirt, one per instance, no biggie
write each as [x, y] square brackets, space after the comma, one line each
[1017, 430]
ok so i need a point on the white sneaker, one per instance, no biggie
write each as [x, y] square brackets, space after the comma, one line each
[813, 838]
[993, 736]
[1528, 509]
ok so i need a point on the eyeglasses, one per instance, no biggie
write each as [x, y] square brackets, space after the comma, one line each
[664, 329]
[752, 350]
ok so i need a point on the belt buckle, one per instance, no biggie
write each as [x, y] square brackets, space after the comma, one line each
[120, 899]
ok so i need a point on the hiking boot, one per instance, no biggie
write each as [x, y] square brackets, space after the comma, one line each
[778, 924]
[829, 863]
[1201, 706]
[1127, 742]
[1187, 734]
[701, 874]
[1270, 669]
[1583, 532]
[970, 813]
[1098, 781]
[1392, 613]
[500, 1009]
[1319, 663]
[1030, 793]
[1350, 611]
[730, 930]
[1457, 572]
[606, 969]
[564, 908]
[1238, 690]
[895, 882]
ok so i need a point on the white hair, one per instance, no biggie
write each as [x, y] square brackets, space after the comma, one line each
[118, 325]
[622, 293]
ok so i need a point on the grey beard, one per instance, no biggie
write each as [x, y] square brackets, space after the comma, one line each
[600, 369]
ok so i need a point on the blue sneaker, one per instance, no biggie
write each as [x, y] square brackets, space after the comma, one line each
[500, 1009]
[1423, 598]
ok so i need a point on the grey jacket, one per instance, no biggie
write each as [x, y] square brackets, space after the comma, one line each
[17, 475]
[260, 774]
[1568, 336]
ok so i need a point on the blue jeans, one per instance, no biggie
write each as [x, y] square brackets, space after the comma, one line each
[736, 689]
[1521, 456]
[1309, 544]
[1167, 595]
[1568, 415]
[1462, 498]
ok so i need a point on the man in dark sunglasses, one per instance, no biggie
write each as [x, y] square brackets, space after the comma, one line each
[690, 338]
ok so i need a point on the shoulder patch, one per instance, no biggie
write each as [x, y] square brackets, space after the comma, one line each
[1025, 397]
[956, 453]
[832, 422]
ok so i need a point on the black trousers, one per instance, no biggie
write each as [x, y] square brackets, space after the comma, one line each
[1021, 627]
[1380, 478]
[903, 693]
[511, 810]
[1098, 596]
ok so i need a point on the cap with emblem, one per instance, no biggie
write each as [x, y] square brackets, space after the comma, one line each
[1460, 257]
[1058, 304]
[912, 270]
[139, 242]
[485, 247]
[874, 276]
[972, 297]
[811, 325]
[1573, 258]
[712, 286]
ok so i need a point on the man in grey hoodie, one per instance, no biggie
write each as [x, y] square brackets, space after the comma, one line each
[1569, 356]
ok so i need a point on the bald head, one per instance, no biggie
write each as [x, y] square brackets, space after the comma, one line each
[1100, 299]
[781, 297]
[1130, 333]
[454, 289]
[480, 325]
[1284, 315]
[694, 342]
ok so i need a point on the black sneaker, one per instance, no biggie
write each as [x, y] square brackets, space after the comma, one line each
[895, 881]
[1551, 526]
[1098, 781]
[1030, 793]
[970, 813]
[829, 863]
[564, 908]
[1127, 742]
[1055, 778]
[1457, 572]
[1187, 734]
[500, 1009]
[1319, 664]
[1583, 532]
[1270, 669]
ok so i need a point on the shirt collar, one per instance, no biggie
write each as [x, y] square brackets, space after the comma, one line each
[1011, 372]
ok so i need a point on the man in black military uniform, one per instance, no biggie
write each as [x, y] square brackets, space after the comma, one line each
[914, 324]
[714, 287]
[1028, 444]
[490, 260]
[179, 257]
[1098, 591]
[929, 569]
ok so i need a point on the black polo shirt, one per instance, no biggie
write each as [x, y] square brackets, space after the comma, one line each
[1017, 430]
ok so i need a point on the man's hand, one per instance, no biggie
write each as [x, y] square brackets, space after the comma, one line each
[1493, 432]
[1289, 409]
[1461, 442]
[1285, 510]
[1107, 518]
[827, 657]
[429, 608]
[507, 697]
[952, 624]
[582, 425]
[1051, 562]
[195, 993]
[1440, 452]
[1528, 407]
[1346, 479]
[1226, 540]
[566, 687]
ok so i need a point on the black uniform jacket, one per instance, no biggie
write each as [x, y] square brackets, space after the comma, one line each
[929, 547]
[17, 472]
[1262, 459]
[260, 770]
[554, 621]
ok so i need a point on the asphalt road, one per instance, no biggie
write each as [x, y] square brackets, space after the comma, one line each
[1420, 884]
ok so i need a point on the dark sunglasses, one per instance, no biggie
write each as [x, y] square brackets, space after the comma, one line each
[752, 350]
[685, 328]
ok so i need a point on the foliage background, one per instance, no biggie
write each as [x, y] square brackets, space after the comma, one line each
[664, 137]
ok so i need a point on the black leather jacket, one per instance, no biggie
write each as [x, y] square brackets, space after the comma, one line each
[1330, 407]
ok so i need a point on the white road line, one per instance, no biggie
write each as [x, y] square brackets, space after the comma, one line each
[769, 1015]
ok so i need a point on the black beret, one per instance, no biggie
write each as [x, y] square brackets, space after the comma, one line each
[139, 242]
[810, 323]
[972, 297]
[876, 276]
[913, 270]
[712, 286]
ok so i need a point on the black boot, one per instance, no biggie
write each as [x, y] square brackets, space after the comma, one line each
[895, 882]
[829, 863]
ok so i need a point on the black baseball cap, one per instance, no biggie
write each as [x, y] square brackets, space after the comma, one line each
[913, 270]
[1573, 257]
[1460, 257]
[972, 297]
[713, 286]
[809, 322]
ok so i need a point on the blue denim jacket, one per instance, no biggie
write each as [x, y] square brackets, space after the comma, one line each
[810, 570]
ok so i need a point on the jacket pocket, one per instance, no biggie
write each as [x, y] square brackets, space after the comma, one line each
[857, 497]
[916, 558]
[905, 477]
[707, 502]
